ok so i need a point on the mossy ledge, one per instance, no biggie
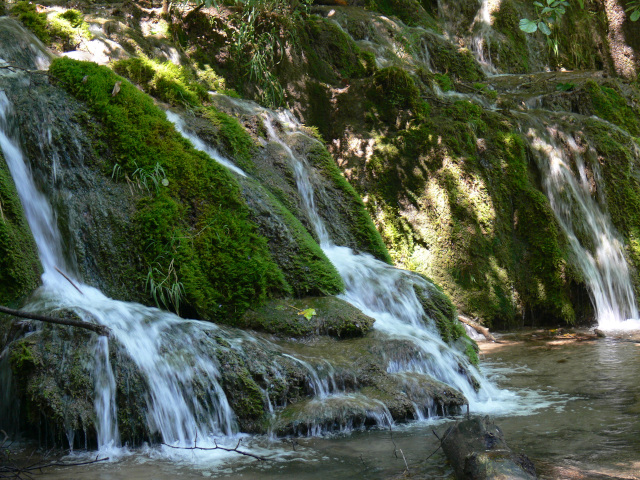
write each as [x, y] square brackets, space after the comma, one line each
[19, 265]
[192, 226]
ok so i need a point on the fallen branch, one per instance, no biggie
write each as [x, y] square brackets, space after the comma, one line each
[68, 280]
[218, 447]
[15, 472]
[99, 329]
[8, 66]
[477, 327]
[396, 450]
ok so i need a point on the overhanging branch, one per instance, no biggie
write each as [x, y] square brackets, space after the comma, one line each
[99, 329]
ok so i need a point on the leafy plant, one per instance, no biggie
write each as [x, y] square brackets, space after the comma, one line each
[547, 16]
[565, 87]
[633, 7]
[550, 14]
[165, 289]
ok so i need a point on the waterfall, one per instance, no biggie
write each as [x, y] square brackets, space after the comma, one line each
[385, 293]
[598, 250]
[176, 358]
[480, 39]
[172, 373]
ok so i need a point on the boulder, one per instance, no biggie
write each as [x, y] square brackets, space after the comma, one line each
[477, 450]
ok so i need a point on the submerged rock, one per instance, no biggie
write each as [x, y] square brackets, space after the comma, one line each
[477, 450]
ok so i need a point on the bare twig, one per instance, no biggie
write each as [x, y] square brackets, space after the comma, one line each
[68, 280]
[440, 439]
[477, 327]
[396, 450]
[99, 329]
[218, 447]
[18, 473]
[8, 66]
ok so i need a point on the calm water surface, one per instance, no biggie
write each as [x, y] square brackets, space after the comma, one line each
[578, 418]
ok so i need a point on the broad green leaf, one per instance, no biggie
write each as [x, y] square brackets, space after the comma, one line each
[546, 10]
[544, 28]
[635, 15]
[538, 4]
[308, 313]
[528, 26]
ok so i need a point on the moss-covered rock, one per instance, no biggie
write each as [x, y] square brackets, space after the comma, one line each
[19, 265]
[305, 266]
[308, 316]
[193, 230]
[53, 382]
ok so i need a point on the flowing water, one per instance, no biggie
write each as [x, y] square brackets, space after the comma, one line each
[387, 294]
[164, 349]
[578, 418]
[571, 185]
[184, 398]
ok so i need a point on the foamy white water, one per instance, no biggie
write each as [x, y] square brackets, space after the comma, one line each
[387, 294]
[198, 144]
[586, 221]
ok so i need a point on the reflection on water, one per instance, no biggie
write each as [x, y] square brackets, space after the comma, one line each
[597, 431]
[588, 428]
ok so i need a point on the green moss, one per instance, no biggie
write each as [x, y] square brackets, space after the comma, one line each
[305, 266]
[331, 53]
[194, 230]
[444, 82]
[360, 225]
[610, 105]
[455, 197]
[64, 31]
[411, 12]
[22, 359]
[178, 86]
[30, 18]
[511, 53]
[332, 317]
[233, 137]
[167, 81]
[456, 62]
[19, 265]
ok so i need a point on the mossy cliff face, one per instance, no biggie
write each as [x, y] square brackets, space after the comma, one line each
[19, 265]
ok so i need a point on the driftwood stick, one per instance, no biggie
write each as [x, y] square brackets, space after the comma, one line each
[99, 329]
[68, 280]
[218, 447]
[477, 327]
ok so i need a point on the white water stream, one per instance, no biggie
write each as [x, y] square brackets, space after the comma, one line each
[161, 344]
[387, 294]
[598, 250]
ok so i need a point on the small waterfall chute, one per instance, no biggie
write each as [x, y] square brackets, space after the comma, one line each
[571, 184]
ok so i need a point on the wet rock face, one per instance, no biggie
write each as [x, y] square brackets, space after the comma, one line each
[477, 450]
[309, 316]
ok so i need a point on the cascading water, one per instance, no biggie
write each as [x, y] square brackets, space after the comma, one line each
[200, 145]
[480, 40]
[184, 398]
[386, 293]
[597, 248]
[172, 374]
